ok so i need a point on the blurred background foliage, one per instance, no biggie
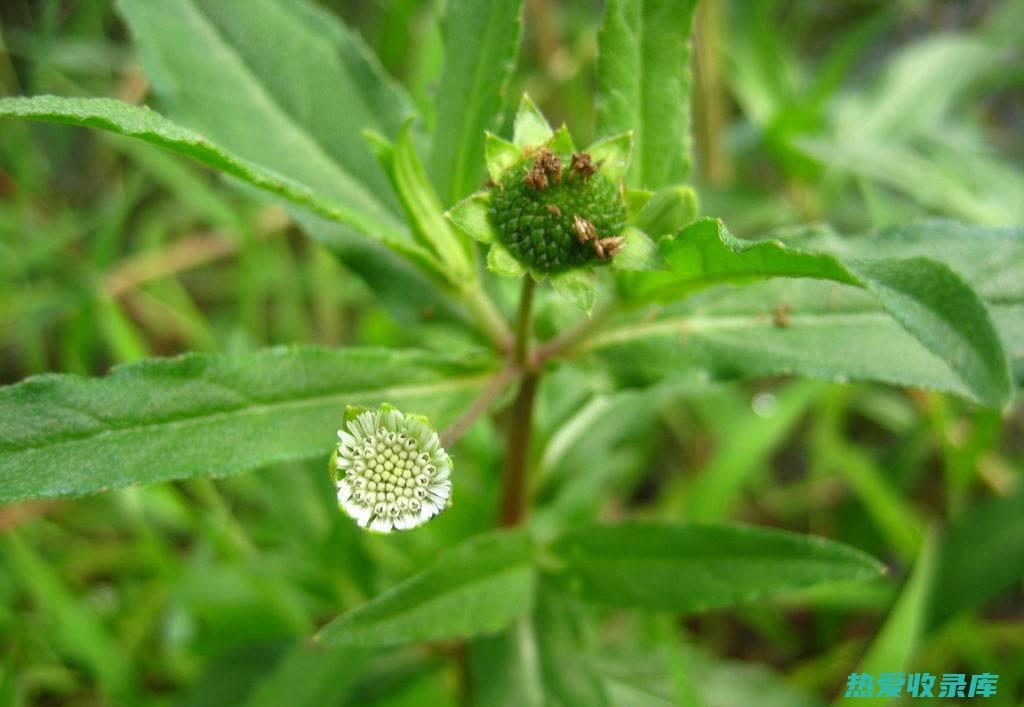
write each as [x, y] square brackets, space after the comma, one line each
[862, 113]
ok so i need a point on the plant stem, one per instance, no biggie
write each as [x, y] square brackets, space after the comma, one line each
[488, 317]
[517, 454]
[517, 447]
[495, 387]
[523, 325]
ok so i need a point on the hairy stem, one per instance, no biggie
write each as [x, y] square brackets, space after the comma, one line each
[517, 447]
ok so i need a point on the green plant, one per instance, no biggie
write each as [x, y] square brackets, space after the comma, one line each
[288, 102]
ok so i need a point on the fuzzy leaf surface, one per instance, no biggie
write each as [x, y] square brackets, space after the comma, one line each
[933, 303]
[206, 415]
[282, 84]
[692, 568]
[149, 126]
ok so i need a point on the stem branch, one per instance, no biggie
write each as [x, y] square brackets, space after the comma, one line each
[495, 387]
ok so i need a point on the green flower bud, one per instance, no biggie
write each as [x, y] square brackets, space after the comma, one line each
[558, 212]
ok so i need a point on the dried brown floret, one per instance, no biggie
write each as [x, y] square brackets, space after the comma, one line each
[582, 165]
[584, 229]
[554, 210]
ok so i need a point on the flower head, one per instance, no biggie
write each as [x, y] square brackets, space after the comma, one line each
[390, 469]
[556, 212]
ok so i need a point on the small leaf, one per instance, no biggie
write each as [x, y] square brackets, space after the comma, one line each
[577, 286]
[531, 127]
[636, 200]
[471, 215]
[612, 155]
[501, 262]
[561, 142]
[667, 212]
[479, 587]
[691, 568]
[207, 415]
[639, 252]
[500, 155]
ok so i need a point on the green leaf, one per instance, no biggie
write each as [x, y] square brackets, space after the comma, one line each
[472, 216]
[481, 44]
[928, 299]
[531, 127]
[612, 155]
[904, 630]
[779, 328]
[644, 85]
[982, 554]
[422, 207]
[538, 661]
[500, 155]
[667, 212]
[149, 126]
[639, 252]
[577, 286]
[280, 83]
[500, 261]
[691, 568]
[309, 675]
[479, 587]
[205, 415]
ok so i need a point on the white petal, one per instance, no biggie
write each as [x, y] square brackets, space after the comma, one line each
[347, 440]
[381, 524]
[344, 491]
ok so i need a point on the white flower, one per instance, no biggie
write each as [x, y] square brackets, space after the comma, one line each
[390, 469]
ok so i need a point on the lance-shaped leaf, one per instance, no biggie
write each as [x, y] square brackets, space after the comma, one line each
[782, 327]
[149, 126]
[930, 301]
[644, 85]
[479, 587]
[280, 83]
[205, 415]
[691, 568]
[481, 44]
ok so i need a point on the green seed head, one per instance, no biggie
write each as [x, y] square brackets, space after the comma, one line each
[556, 212]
